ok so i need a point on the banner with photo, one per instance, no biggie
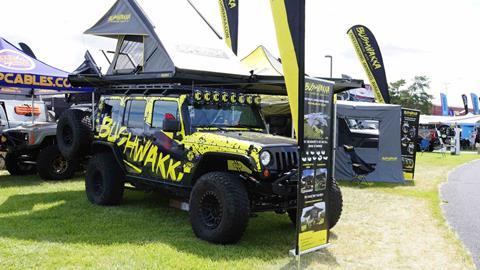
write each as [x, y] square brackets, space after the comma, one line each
[409, 133]
[368, 52]
[311, 106]
[315, 165]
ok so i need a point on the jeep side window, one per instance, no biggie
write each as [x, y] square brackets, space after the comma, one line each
[134, 113]
[112, 109]
[161, 108]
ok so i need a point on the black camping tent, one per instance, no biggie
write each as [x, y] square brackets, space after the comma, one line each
[372, 128]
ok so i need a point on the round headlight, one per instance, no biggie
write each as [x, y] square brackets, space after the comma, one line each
[265, 158]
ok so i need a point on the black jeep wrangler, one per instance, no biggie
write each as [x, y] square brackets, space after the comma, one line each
[207, 147]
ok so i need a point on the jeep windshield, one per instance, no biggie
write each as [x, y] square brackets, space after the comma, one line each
[225, 116]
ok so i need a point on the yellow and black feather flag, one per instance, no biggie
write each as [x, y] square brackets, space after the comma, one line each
[229, 14]
[368, 52]
[289, 19]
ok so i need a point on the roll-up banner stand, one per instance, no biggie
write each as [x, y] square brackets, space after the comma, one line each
[311, 106]
[315, 169]
[409, 133]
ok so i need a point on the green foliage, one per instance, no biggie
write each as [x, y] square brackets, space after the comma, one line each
[413, 96]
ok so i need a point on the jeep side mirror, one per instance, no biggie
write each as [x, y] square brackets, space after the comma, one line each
[171, 125]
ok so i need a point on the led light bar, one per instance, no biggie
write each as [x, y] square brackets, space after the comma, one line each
[207, 96]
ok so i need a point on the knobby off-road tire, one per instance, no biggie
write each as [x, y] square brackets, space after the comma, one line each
[219, 208]
[14, 167]
[52, 165]
[74, 133]
[334, 206]
[104, 182]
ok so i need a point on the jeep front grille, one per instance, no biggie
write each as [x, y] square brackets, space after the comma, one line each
[286, 160]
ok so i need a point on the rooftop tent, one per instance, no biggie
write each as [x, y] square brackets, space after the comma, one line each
[384, 153]
[20, 73]
[156, 44]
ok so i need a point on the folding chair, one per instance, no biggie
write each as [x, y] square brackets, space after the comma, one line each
[424, 145]
[359, 166]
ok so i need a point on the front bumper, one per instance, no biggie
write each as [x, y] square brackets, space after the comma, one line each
[286, 185]
[277, 195]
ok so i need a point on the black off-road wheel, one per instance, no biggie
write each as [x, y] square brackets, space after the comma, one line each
[104, 182]
[219, 208]
[52, 165]
[15, 167]
[334, 210]
[74, 133]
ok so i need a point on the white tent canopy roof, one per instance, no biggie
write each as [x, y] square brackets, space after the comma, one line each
[469, 119]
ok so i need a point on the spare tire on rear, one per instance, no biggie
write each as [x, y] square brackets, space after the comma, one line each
[74, 133]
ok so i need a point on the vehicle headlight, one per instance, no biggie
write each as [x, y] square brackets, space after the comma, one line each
[265, 158]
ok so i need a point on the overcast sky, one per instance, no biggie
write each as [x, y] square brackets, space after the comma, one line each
[436, 38]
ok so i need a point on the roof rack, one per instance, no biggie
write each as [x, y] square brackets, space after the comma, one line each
[162, 89]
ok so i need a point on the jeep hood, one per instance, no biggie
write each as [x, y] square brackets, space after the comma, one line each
[34, 127]
[252, 138]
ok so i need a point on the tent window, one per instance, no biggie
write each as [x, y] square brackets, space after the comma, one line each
[359, 133]
[130, 55]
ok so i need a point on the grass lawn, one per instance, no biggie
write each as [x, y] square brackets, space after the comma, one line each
[50, 225]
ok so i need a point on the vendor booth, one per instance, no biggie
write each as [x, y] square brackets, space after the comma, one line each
[373, 130]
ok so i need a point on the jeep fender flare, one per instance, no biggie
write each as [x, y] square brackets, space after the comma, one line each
[101, 146]
[201, 167]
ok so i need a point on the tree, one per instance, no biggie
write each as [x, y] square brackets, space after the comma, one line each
[414, 96]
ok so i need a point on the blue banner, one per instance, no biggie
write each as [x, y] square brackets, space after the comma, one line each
[475, 103]
[443, 100]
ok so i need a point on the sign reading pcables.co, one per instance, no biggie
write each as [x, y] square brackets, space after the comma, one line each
[368, 52]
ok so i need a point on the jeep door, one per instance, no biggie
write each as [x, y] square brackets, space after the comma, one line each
[132, 142]
[166, 131]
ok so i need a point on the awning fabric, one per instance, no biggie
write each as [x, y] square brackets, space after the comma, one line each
[19, 73]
